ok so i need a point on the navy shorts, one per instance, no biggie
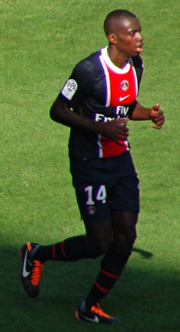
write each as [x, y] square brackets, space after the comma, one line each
[105, 184]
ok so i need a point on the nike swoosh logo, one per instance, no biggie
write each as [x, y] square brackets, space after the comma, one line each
[94, 320]
[122, 98]
[24, 272]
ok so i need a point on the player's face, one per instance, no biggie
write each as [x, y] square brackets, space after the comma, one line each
[129, 41]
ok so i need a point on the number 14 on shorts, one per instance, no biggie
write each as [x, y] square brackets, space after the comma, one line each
[95, 193]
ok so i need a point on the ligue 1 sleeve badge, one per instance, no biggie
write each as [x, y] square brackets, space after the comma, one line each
[69, 89]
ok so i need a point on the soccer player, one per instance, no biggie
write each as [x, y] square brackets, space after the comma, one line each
[97, 101]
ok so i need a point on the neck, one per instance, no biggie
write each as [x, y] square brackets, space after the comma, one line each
[118, 60]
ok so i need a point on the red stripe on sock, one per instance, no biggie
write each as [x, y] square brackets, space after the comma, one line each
[101, 288]
[110, 275]
[62, 248]
[54, 251]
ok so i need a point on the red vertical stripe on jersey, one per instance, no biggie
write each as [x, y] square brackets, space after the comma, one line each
[121, 90]
[109, 148]
[123, 87]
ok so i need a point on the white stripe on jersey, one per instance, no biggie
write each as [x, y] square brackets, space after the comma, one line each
[108, 92]
[100, 146]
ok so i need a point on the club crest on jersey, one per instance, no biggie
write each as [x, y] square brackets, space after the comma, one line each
[69, 89]
[124, 85]
[91, 209]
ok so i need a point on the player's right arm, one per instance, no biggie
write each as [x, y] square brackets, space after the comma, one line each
[73, 92]
[113, 130]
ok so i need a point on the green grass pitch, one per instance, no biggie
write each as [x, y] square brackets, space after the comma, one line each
[40, 42]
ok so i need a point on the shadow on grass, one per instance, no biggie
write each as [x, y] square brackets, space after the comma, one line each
[145, 299]
[144, 253]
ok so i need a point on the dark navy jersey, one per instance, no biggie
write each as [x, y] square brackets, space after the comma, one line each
[100, 91]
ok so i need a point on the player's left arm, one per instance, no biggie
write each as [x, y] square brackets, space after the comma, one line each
[154, 113]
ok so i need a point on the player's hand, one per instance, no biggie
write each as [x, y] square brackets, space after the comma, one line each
[157, 116]
[115, 130]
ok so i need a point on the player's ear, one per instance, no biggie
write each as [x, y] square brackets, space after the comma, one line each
[112, 38]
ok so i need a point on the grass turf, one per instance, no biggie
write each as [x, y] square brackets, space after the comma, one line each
[40, 43]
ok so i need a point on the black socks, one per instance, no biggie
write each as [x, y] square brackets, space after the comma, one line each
[112, 266]
[72, 249]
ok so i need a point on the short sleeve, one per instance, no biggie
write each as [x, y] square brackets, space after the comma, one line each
[79, 85]
[138, 65]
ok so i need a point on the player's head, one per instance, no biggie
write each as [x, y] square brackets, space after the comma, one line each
[123, 31]
[113, 18]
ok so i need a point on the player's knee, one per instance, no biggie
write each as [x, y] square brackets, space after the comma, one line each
[132, 235]
[99, 247]
[124, 241]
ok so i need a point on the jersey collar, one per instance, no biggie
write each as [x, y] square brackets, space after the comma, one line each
[111, 65]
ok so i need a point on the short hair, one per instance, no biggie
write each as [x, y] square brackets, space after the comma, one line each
[114, 15]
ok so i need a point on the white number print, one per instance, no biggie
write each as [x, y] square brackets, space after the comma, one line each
[100, 196]
[89, 192]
